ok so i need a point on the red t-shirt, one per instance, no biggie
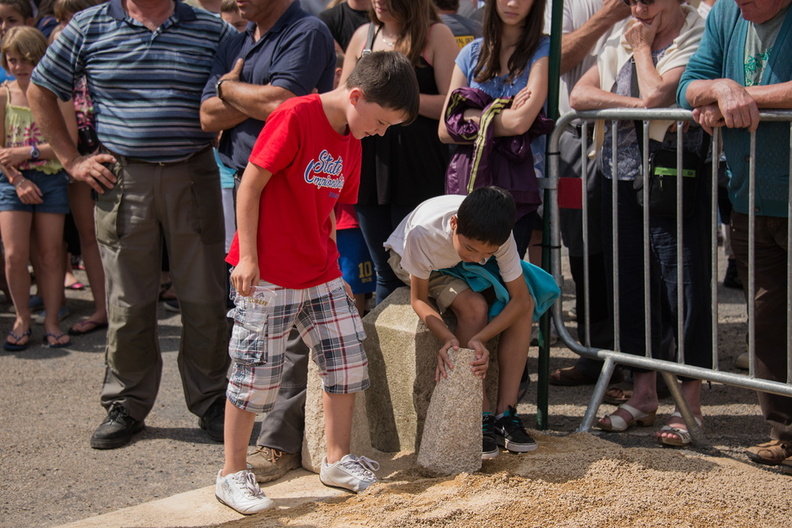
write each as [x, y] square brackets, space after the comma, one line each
[313, 167]
[346, 217]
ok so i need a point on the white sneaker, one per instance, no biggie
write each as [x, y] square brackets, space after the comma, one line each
[351, 472]
[241, 492]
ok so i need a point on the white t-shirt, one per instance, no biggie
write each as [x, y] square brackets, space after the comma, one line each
[424, 240]
[576, 13]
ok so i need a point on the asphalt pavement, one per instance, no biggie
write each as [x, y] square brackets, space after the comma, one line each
[49, 407]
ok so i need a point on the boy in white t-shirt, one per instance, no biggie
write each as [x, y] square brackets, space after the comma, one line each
[305, 161]
[440, 233]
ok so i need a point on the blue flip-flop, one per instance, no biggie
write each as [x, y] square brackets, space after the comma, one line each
[17, 347]
[56, 337]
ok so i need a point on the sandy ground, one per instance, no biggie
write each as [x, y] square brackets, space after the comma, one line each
[49, 407]
[571, 481]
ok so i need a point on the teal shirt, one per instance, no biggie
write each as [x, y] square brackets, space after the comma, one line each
[721, 55]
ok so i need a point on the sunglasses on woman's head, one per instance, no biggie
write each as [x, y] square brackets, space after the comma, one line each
[633, 3]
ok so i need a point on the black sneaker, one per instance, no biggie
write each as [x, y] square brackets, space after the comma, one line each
[489, 445]
[213, 420]
[116, 430]
[731, 279]
[510, 433]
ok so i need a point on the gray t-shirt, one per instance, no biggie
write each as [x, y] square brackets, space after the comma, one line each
[759, 41]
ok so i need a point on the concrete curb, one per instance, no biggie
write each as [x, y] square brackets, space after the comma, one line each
[200, 508]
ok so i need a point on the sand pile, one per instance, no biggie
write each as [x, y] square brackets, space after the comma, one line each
[579, 480]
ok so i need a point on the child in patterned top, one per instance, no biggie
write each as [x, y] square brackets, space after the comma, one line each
[33, 197]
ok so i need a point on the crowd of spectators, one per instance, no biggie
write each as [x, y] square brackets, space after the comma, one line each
[138, 108]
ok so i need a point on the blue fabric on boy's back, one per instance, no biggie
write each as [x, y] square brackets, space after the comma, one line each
[541, 285]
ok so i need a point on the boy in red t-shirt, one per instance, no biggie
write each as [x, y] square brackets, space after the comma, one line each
[306, 159]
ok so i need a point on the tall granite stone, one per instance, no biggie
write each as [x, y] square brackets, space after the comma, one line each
[451, 444]
[402, 354]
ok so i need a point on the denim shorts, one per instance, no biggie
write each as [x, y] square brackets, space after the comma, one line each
[329, 324]
[54, 188]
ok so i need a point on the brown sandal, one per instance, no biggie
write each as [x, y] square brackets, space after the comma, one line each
[771, 453]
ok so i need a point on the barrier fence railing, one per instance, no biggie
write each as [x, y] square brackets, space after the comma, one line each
[669, 369]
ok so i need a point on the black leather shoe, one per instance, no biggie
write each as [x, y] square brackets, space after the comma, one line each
[213, 420]
[116, 430]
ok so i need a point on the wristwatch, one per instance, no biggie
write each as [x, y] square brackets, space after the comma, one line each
[218, 88]
[34, 153]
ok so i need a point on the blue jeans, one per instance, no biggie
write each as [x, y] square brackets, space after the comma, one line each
[377, 223]
[662, 275]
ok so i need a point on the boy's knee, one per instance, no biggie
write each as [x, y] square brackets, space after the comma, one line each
[470, 306]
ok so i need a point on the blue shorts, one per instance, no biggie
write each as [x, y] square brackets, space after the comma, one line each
[355, 261]
[54, 188]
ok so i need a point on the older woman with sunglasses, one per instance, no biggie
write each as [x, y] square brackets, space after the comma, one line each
[640, 67]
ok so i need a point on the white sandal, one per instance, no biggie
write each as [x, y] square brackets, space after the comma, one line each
[618, 424]
[683, 435]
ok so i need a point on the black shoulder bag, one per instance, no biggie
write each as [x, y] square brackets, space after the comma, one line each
[663, 173]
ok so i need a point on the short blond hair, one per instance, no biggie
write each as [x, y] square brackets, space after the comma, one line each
[27, 42]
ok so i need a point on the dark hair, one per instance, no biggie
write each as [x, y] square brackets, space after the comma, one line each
[388, 79]
[487, 215]
[446, 5]
[488, 64]
[416, 18]
[22, 6]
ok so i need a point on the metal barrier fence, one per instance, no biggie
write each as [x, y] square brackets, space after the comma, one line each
[669, 369]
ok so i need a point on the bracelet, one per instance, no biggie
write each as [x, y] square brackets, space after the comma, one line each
[20, 182]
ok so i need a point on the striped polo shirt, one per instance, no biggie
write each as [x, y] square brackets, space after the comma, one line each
[146, 85]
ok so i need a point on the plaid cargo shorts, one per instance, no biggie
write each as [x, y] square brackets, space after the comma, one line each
[329, 324]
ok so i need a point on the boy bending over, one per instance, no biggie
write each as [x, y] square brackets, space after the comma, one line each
[440, 233]
[306, 159]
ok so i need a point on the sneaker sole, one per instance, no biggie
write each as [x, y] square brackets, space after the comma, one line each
[341, 487]
[114, 443]
[224, 503]
[513, 447]
[490, 455]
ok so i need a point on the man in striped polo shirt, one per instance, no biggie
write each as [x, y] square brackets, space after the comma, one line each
[146, 63]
